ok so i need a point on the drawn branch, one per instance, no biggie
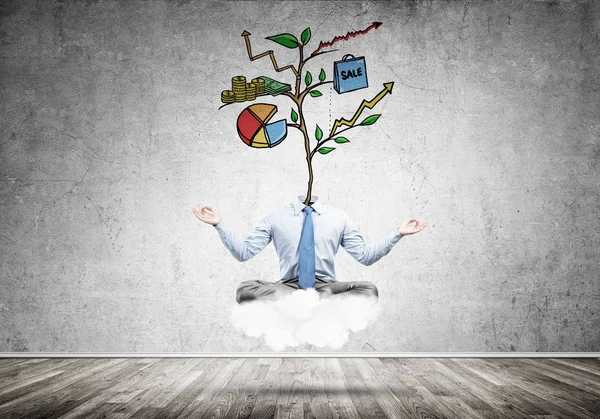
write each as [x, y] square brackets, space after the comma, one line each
[331, 137]
[308, 89]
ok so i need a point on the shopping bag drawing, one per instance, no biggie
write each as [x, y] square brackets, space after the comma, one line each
[350, 74]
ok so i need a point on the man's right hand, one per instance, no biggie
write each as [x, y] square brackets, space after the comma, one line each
[209, 215]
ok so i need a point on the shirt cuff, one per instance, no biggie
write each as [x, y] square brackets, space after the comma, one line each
[395, 237]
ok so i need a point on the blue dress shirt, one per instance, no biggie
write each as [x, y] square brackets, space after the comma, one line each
[283, 226]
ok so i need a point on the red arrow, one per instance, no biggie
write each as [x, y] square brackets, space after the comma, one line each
[346, 37]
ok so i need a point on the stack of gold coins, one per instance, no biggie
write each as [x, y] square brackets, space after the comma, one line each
[260, 86]
[250, 91]
[227, 96]
[238, 86]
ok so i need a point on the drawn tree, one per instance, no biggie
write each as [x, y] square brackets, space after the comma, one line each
[299, 95]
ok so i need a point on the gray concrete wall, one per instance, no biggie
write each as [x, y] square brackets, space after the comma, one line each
[110, 134]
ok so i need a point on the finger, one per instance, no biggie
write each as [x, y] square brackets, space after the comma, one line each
[198, 214]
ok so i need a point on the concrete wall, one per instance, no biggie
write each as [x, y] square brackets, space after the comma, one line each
[110, 134]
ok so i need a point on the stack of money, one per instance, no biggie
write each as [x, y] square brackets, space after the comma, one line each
[227, 96]
[274, 87]
[250, 91]
[260, 86]
[238, 86]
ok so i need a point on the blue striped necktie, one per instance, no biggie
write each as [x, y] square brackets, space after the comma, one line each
[306, 267]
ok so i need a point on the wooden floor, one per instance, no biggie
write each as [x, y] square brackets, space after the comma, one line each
[300, 388]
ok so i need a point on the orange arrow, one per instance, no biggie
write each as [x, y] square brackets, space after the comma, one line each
[246, 36]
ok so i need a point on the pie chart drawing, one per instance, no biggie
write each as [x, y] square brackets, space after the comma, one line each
[254, 129]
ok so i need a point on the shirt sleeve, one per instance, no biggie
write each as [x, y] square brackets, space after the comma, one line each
[354, 243]
[247, 248]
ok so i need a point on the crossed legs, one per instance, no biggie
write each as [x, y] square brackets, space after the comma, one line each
[264, 290]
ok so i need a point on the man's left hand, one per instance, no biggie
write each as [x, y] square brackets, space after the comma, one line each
[411, 226]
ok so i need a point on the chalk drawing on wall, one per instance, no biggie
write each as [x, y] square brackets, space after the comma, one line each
[348, 36]
[349, 74]
[254, 127]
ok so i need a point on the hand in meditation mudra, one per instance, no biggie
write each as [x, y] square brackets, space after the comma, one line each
[306, 239]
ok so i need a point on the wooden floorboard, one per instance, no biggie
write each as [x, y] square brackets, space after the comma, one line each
[329, 388]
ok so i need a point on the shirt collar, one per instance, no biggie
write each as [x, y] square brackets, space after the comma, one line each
[317, 205]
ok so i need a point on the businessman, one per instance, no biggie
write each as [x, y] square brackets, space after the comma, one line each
[306, 239]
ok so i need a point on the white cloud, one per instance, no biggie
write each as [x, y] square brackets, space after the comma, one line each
[302, 318]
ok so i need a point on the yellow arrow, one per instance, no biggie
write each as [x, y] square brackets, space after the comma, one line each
[246, 36]
[387, 88]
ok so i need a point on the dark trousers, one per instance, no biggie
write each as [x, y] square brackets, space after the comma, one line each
[252, 290]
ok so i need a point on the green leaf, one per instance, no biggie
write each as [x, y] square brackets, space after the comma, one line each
[315, 93]
[325, 150]
[308, 78]
[285, 39]
[318, 133]
[294, 116]
[305, 37]
[371, 119]
[322, 75]
[341, 140]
